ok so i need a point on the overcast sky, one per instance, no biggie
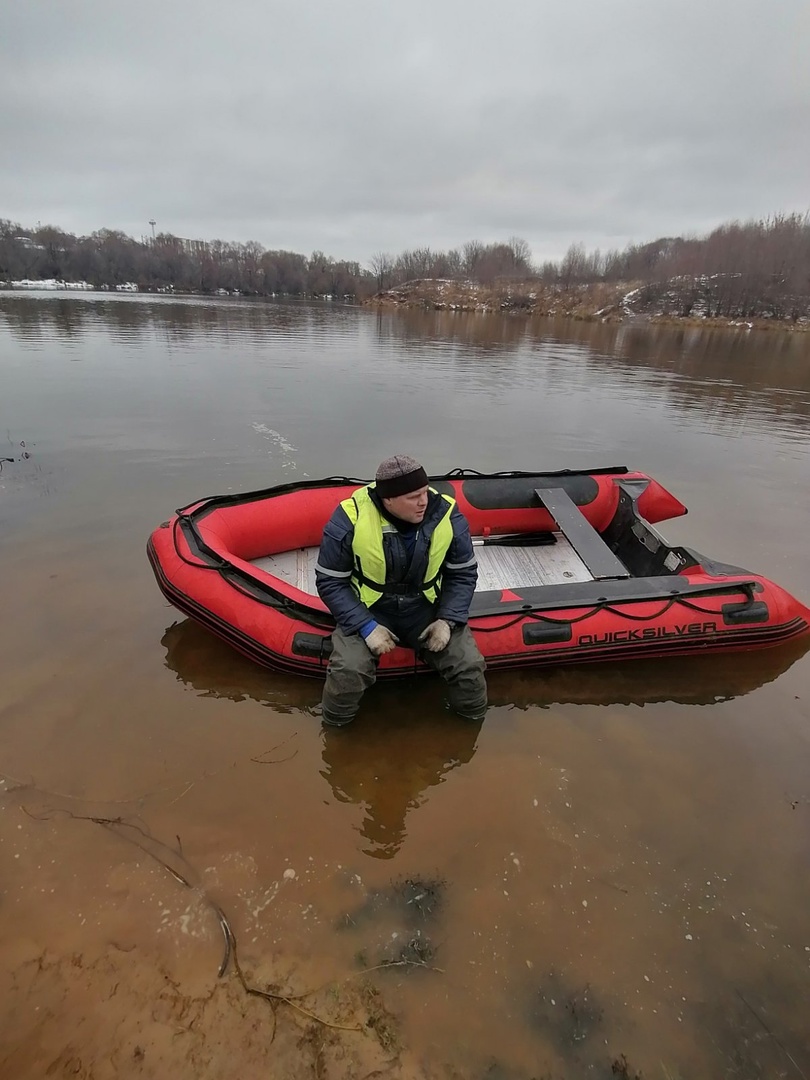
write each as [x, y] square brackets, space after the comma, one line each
[377, 125]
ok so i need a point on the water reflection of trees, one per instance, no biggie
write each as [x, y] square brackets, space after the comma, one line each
[723, 372]
[178, 321]
[419, 330]
[23, 321]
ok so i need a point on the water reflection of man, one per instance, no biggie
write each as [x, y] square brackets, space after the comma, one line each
[396, 564]
[390, 769]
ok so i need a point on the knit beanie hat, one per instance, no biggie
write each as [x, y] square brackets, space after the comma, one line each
[399, 475]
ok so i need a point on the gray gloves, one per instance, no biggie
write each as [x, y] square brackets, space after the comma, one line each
[436, 636]
[381, 640]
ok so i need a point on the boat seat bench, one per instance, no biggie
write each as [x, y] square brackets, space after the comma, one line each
[581, 535]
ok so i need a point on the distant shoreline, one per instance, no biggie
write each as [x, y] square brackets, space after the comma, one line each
[580, 303]
[583, 303]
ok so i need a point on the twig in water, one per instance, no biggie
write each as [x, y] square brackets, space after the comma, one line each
[611, 885]
[225, 926]
[276, 761]
[156, 791]
[780, 1044]
[29, 784]
[26, 784]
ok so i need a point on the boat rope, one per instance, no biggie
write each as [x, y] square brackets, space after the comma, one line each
[605, 606]
[183, 558]
[279, 602]
[298, 611]
[520, 474]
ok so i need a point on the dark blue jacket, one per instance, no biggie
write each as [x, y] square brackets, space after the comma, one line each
[336, 561]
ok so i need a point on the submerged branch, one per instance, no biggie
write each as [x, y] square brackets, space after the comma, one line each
[30, 784]
[230, 951]
[778, 1042]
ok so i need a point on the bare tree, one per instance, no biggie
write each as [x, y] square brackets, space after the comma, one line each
[382, 267]
[472, 253]
[521, 253]
[740, 269]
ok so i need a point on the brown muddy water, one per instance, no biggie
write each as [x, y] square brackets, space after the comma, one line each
[608, 877]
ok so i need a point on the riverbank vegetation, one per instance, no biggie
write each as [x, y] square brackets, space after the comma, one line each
[757, 272]
[753, 272]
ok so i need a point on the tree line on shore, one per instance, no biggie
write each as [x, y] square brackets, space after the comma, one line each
[757, 268]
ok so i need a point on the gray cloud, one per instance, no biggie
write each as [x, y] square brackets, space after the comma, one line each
[369, 126]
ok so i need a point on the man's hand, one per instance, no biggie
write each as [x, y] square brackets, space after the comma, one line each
[436, 636]
[381, 640]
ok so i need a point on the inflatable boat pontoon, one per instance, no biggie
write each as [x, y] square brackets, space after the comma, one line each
[570, 569]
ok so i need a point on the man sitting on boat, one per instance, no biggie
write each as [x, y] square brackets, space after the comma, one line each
[397, 566]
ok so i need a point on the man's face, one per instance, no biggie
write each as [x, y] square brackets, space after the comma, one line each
[410, 507]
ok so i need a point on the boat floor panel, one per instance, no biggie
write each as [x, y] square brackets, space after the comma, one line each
[499, 567]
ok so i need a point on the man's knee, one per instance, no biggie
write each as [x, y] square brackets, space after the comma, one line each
[351, 670]
[461, 658]
[462, 667]
[351, 658]
[466, 683]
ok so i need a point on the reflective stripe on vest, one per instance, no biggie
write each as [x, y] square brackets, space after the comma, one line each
[368, 576]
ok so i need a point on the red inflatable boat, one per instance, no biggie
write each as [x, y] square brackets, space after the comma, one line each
[570, 569]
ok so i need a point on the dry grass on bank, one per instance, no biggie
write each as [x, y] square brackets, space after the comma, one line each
[528, 297]
[599, 301]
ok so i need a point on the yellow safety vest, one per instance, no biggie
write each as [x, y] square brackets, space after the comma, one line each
[368, 575]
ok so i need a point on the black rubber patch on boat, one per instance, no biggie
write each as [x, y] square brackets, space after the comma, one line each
[316, 645]
[747, 612]
[505, 493]
[540, 633]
